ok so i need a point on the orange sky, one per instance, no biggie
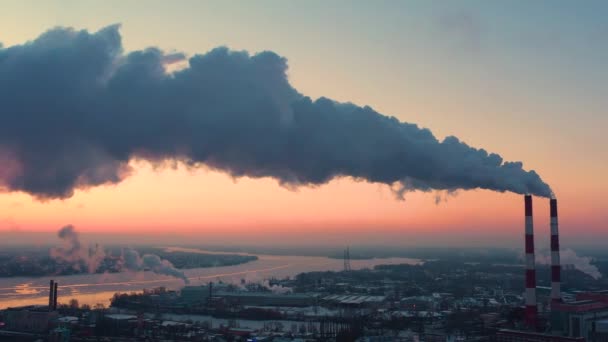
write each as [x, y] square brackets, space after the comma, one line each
[502, 91]
[216, 208]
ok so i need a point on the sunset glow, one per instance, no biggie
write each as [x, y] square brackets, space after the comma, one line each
[468, 81]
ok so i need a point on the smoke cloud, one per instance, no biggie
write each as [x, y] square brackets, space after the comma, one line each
[276, 288]
[569, 257]
[132, 261]
[73, 253]
[75, 109]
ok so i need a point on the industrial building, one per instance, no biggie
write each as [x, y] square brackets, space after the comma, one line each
[583, 319]
[33, 318]
[354, 300]
[506, 335]
[196, 295]
[267, 299]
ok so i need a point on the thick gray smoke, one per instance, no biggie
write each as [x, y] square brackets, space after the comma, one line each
[132, 261]
[73, 253]
[75, 109]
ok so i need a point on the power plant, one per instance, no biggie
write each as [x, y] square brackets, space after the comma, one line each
[431, 301]
[573, 320]
[531, 310]
[531, 306]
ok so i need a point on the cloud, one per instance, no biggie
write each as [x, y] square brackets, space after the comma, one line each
[75, 109]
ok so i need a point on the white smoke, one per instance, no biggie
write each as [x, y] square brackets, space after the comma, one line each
[569, 257]
[133, 261]
[73, 252]
[276, 288]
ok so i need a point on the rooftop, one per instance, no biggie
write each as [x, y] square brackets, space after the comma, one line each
[121, 316]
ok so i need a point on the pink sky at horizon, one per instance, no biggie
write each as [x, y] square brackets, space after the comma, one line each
[211, 207]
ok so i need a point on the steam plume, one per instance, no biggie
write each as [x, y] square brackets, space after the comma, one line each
[134, 262]
[276, 288]
[569, 257]
[75, 109]
[73, 253]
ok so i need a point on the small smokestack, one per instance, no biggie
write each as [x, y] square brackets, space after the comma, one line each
[556, 267]
[55, 297]
[51, 292]
[531, 309]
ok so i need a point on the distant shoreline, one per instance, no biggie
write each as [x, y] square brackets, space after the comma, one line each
[13, 264]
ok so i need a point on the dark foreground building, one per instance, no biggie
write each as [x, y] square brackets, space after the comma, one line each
[506, 335]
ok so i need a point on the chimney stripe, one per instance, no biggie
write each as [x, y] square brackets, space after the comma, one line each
[530, 294]
[555, 259]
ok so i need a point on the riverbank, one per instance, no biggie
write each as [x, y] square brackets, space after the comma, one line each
[92, 289]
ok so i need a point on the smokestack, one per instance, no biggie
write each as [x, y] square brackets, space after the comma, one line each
[556, 295]
[51, 297]
[530, 296]
[55, 297]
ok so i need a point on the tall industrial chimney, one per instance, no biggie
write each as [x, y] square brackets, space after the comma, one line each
[531, 309]
[556, 267]
[51, 291]
[55, 297]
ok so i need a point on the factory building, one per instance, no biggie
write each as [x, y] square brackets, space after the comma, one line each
[32, 318]
[354, 300]
[197, 295]
[267, 299]
[506, 335]
[583, 317]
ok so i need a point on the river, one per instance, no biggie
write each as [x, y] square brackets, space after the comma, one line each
[98, 288]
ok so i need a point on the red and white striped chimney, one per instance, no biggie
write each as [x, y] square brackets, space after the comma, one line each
[555, 263]
[531, 309]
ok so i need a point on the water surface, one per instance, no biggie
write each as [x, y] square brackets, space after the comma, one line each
[98, 288]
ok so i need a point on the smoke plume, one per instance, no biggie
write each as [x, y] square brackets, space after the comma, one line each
[276, 288]
[73, 253]
[569, 257]
[132, 261]
[75, 109]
